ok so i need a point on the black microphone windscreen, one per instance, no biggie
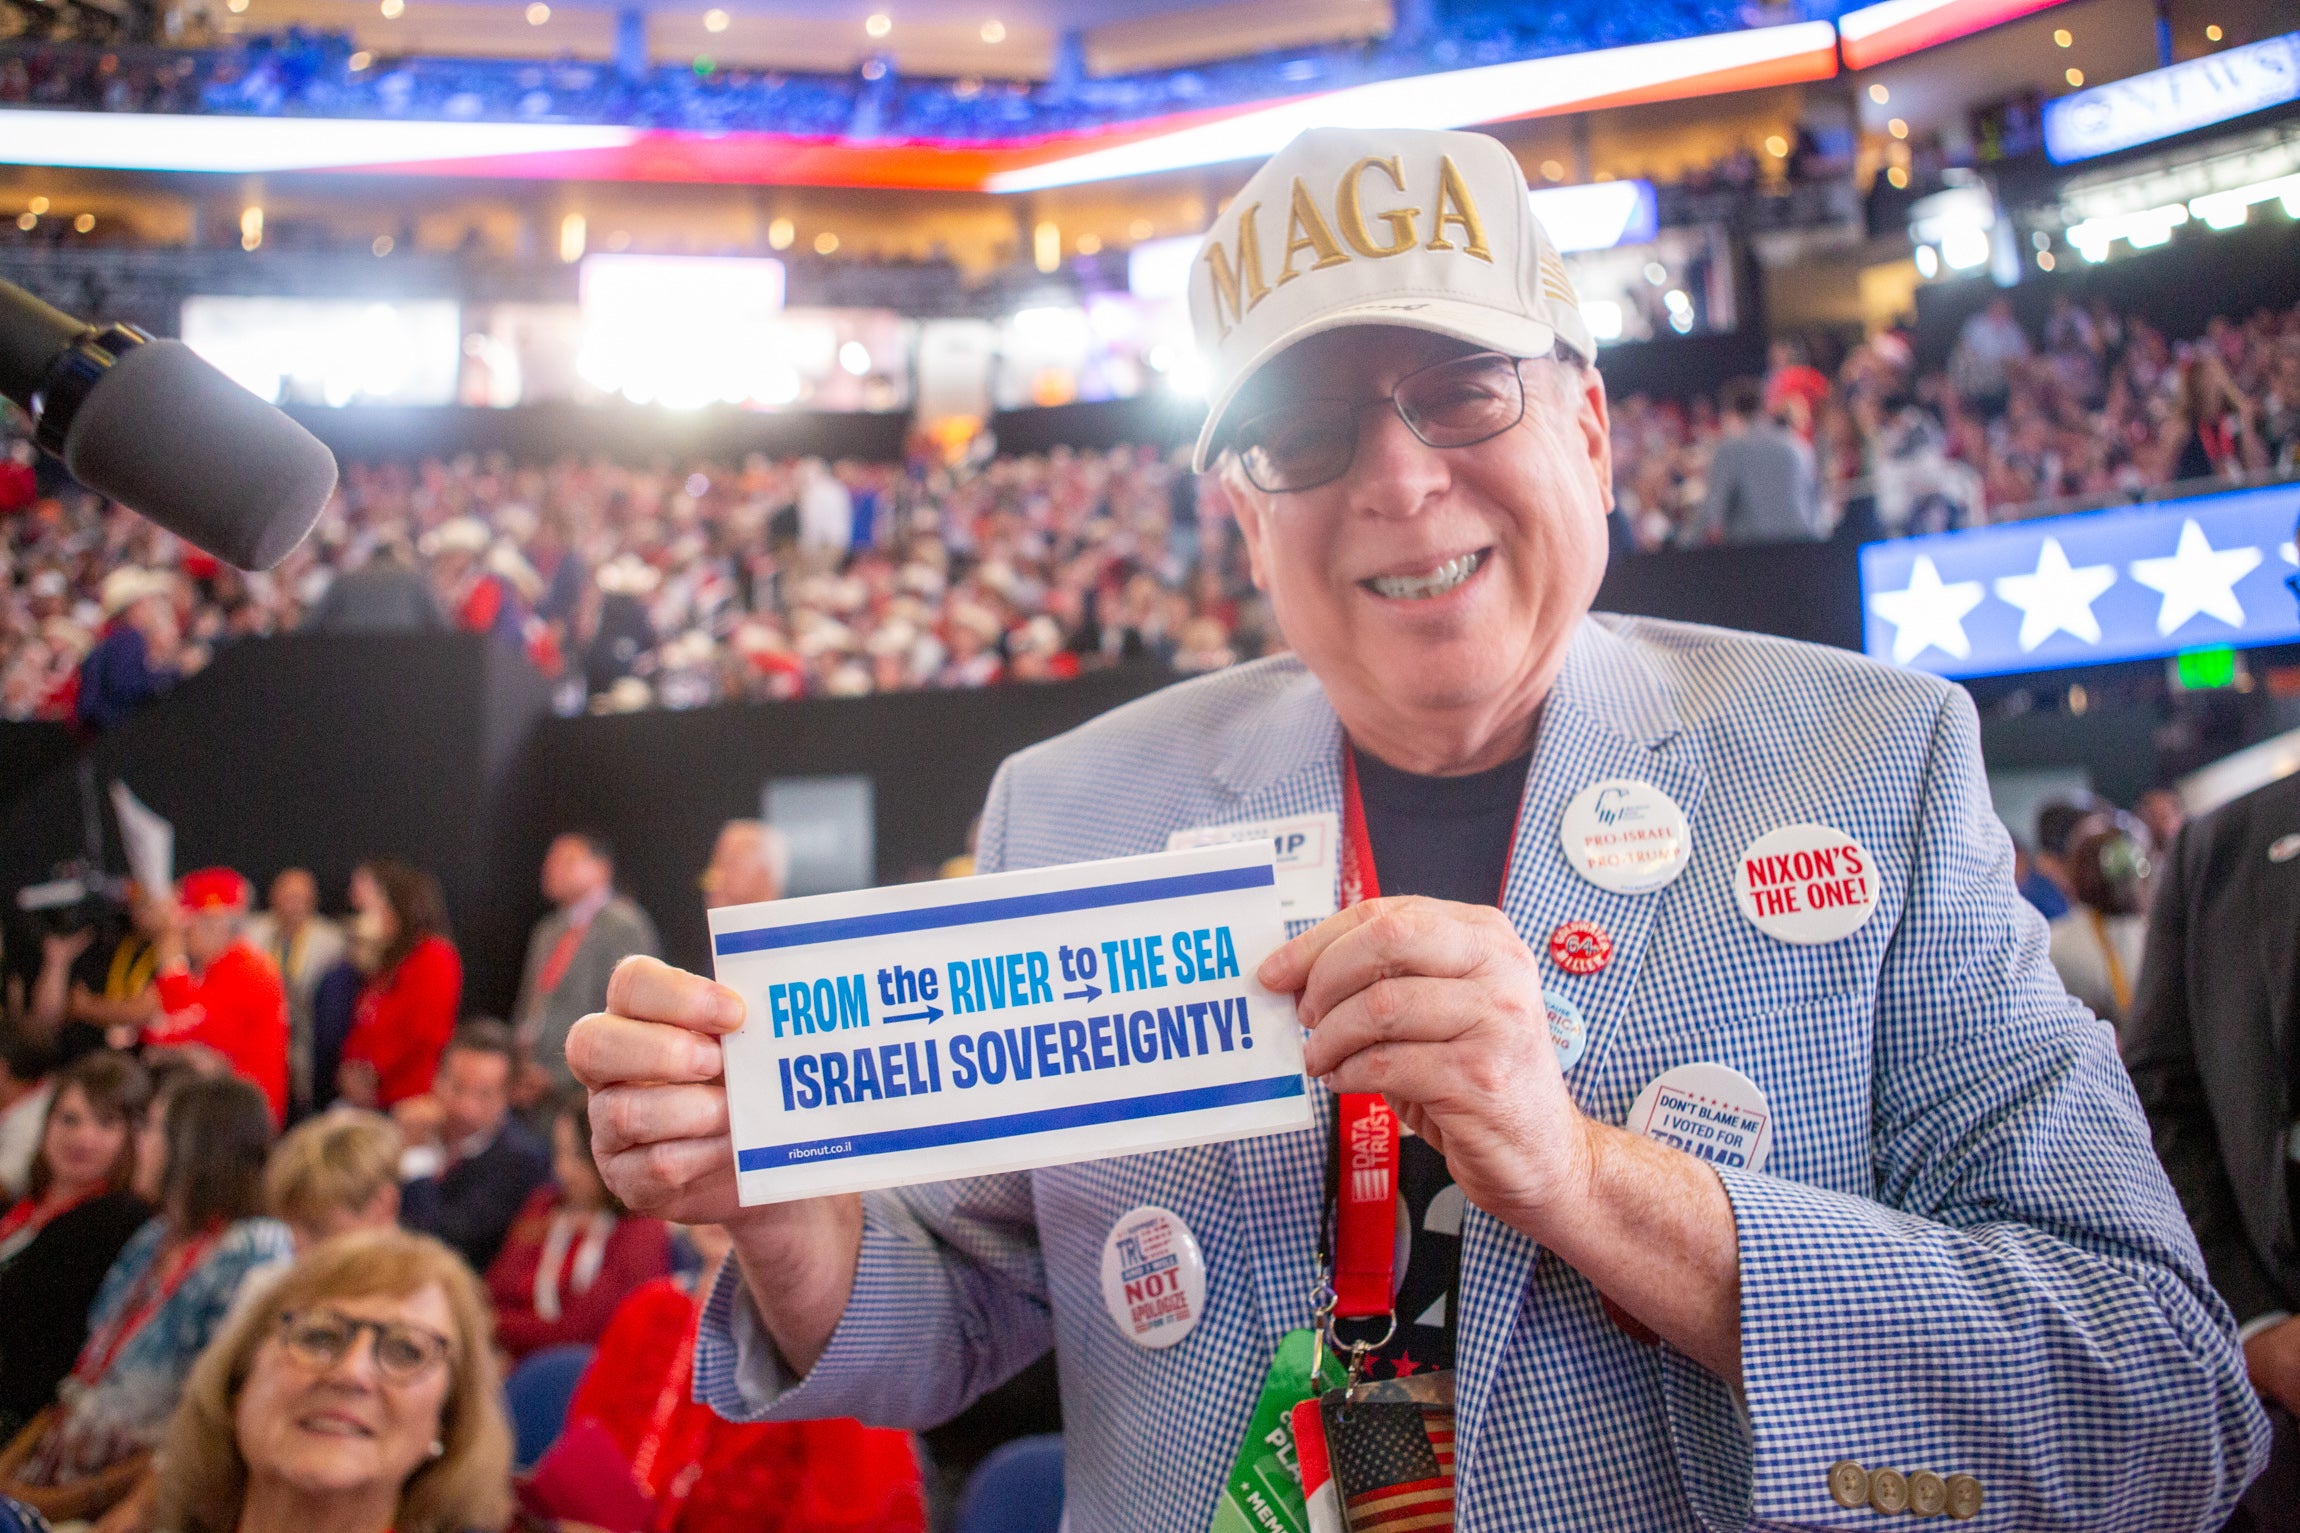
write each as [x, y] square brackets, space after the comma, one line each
[166, 434]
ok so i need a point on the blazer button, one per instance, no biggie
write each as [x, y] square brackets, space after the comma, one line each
[1928, 1497]
[1964, 1496]
[1848, 1484]
[1888, 1491]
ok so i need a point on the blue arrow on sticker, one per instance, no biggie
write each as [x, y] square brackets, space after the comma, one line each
[1088, 994]
[932, 1013]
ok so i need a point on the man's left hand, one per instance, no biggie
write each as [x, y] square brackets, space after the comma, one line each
[1438, 1007]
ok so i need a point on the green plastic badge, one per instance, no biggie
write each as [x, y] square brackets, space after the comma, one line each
[1264, 1493]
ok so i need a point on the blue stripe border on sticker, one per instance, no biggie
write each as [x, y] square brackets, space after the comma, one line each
[1061, 901]
[934, 1135]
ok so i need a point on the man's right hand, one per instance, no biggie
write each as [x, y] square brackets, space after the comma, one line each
[659, 1132]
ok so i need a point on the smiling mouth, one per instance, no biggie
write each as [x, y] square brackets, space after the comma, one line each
[1434, 583]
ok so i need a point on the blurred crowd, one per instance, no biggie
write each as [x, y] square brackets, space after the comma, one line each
[2096, 407]
[674, 587]
[681, 586]
[421, 1307]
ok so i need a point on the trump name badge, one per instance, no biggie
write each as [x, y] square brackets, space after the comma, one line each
[1153, 1277]
[1806, 884]
[1625, 836]
[1710, 1111]
[1308, 861]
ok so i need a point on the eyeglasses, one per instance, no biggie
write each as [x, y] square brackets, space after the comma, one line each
[1457, 403]
[319, 1338]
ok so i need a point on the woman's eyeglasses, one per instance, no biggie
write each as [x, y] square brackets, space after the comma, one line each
[1457, 403]
[319, 1338]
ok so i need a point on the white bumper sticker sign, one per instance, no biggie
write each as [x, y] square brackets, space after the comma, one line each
[1709, 1111]
[931, 1031]
[1806, 884]
[1625, 836]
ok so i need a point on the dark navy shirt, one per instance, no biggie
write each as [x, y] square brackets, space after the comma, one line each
[1447, 838]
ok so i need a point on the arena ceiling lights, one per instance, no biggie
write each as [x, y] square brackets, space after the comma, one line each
[1746, 59]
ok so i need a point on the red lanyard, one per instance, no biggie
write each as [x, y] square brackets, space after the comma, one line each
[27, 1220]
[1362, 1172]
[154, 1289]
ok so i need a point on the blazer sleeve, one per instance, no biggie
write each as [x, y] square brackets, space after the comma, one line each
[949, 1301]
[2161, 1055]
[2021, 1300]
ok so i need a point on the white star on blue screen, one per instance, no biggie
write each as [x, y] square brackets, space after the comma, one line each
[2056, 598]
[1928, 614]
[2197, 580]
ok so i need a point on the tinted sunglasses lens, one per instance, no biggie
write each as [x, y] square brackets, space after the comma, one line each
[1457, 403]
[1299, 447]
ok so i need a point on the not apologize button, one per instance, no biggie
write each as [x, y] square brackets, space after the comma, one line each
[1806, 884]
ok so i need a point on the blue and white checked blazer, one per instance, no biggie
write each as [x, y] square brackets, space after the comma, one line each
[1963, 1256]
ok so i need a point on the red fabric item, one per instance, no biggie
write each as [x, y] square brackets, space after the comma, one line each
[214, 889]
[402, 1021]
[763, 1477]
[19, 486]
[638, 1252]
[238, 1007]
[562, 954]
[482, 606]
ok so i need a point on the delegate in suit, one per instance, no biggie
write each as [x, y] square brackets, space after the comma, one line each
[2215, 1054]
[1960, 1284]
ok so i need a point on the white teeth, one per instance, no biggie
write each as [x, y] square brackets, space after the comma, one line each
[1436, 583]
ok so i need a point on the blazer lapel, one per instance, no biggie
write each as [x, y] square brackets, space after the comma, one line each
[1609, 715]
[1284, 761]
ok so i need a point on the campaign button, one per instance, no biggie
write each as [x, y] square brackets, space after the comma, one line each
[1709, 1111]
[1153, 1277]
[1625, 836]
[1568, 1033]
[1806, 884]
[1580, 947]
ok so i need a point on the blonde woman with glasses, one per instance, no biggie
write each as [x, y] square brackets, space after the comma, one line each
[359, 1395]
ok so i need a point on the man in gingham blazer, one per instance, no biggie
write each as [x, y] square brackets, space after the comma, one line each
[1961, 1267]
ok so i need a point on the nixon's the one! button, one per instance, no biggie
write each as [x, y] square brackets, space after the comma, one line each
[1888, 1491]
[1964, 1496]
[1848, 1484]
[1928, 1496]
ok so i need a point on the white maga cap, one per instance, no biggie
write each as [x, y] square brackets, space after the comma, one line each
[1371, 226]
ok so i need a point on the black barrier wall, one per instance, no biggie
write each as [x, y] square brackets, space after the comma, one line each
[323, 750]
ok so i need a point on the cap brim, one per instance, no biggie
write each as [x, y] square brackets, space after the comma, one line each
[1476, 323]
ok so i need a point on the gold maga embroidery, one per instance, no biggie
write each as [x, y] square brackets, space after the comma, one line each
[1456, 206]
[1349, 212]
[1306, 230]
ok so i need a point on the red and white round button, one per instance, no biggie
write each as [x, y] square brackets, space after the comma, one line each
[1580, 947]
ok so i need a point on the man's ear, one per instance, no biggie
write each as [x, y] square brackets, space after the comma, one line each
[1249, 506]
[1596, 425]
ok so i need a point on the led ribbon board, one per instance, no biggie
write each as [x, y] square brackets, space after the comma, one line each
[1875, 33]
[2132, 584]
[2178, 99]
[1747, 59]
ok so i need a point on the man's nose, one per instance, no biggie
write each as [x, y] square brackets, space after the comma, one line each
[1395, 472]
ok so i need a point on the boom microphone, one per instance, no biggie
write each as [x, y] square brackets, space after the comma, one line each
[158, 429]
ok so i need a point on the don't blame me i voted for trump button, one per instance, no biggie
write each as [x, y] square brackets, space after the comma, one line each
[931, 1031]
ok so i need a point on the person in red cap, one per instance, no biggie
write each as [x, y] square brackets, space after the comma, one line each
[217, 990]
